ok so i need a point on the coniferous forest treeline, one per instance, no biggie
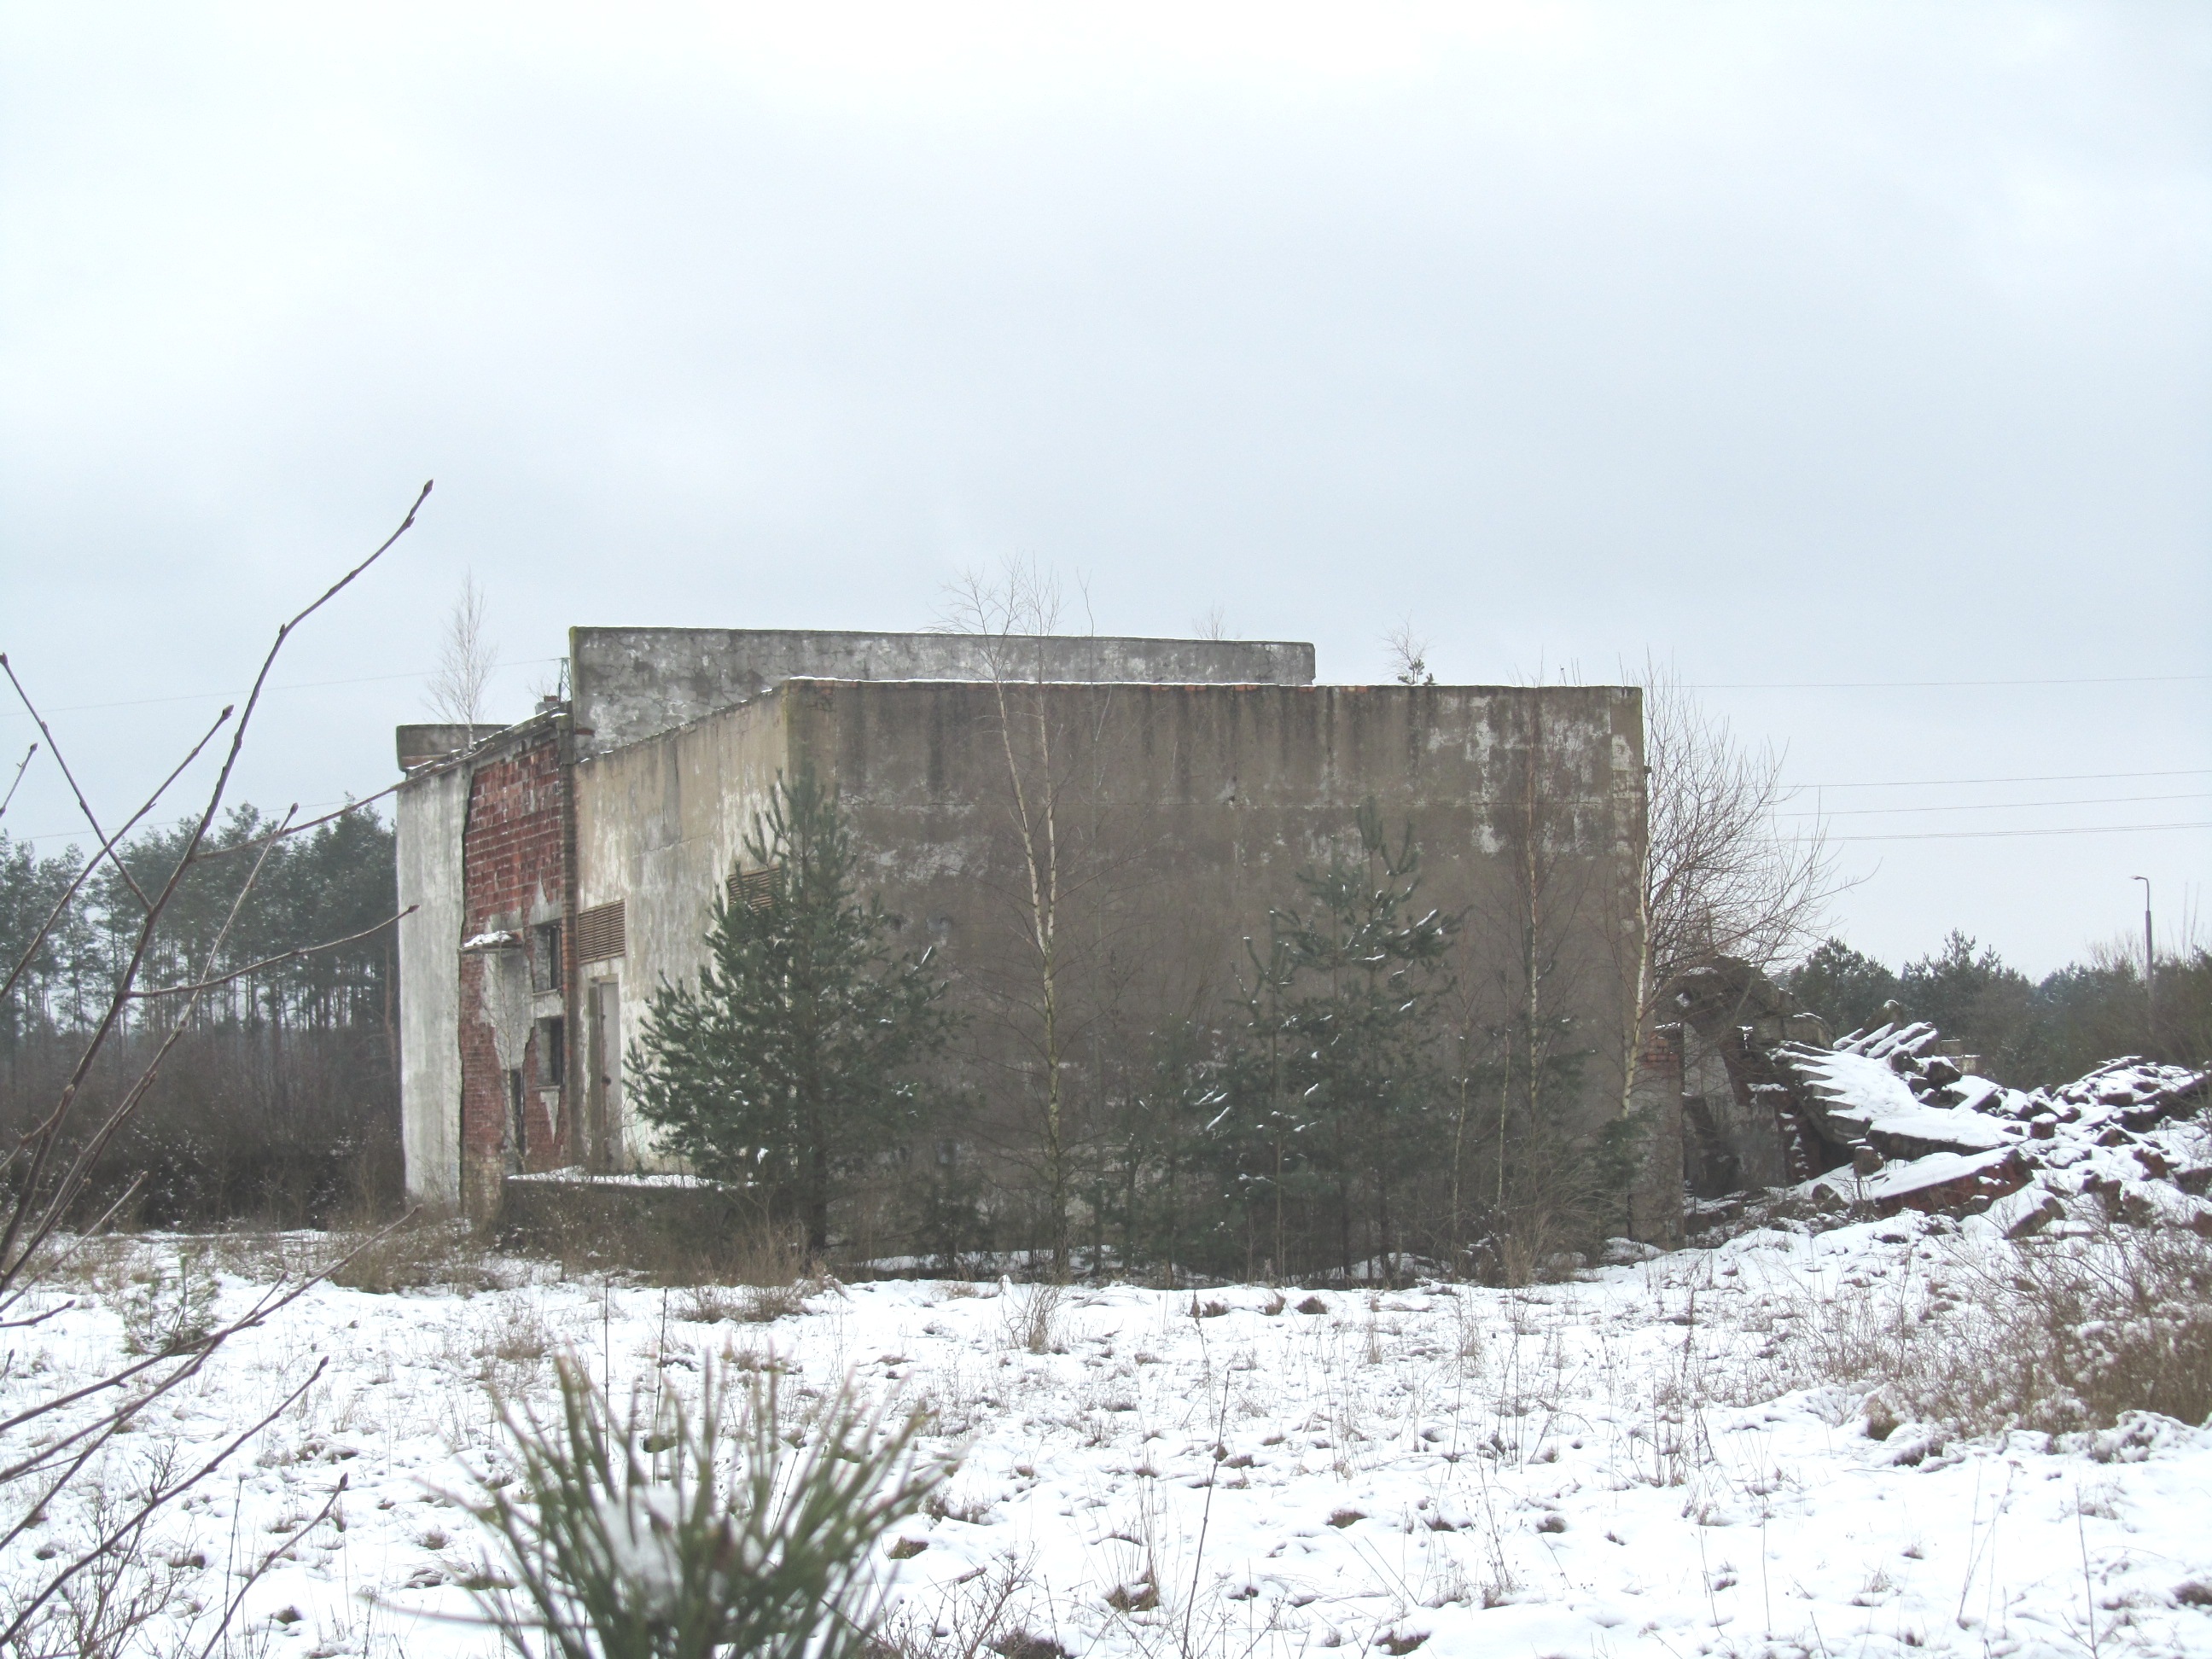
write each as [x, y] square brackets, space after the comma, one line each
[281, 1103]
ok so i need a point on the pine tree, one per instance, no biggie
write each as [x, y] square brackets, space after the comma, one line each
[1349, 1014]
[794, 1058]
[1845, 987]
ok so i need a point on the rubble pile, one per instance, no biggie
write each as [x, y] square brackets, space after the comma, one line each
[1894, 1118]
[2119, 1144]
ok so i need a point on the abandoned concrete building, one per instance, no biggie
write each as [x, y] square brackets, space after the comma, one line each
[560, 869]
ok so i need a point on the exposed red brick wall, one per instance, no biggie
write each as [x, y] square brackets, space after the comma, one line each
[514, 873]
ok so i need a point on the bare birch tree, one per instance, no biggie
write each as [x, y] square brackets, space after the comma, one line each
[466, 658]
[1016, 616]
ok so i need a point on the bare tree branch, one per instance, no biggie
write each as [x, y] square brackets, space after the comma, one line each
[98, 1228]
[62, 904]
[49, 1209]
[207, 855]
[152, 1502]
[1722, 878]
[272, 1300]
[21, 767]
[1409, 655]
[83, 805]
[65, 1190]
[293, 955]
[38, 1201]
[270, 1557]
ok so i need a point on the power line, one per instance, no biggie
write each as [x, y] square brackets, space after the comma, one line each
[309, 806]
[296, 685]
[2051, 777]
[1987, 834]
[1993, 805]
[1916, 685]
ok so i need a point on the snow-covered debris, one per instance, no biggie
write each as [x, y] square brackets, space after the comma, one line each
[1859, 1097]
[2118, 1144]
[1777, 1117]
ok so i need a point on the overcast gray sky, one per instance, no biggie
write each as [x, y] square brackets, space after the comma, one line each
[1818, 350]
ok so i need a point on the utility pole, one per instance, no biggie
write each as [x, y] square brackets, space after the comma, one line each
[2150, 969]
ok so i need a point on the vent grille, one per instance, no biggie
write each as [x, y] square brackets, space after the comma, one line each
[599, 932]
[754, 889]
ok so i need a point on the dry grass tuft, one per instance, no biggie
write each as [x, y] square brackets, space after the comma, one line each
[763, 1304]
[749, 1304]
[420, 1255]
[2054, 1334]
[1032, 1318]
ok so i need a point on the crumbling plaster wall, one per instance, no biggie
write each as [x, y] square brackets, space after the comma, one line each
[631, 683]
[1193, 804]
[430, 813]
[514, 864]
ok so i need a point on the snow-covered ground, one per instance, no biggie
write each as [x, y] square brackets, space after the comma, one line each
[1636, 1462]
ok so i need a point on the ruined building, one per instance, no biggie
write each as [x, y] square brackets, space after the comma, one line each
[561, 868]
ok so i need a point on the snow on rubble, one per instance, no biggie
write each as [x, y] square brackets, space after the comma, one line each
[1645, 1461]
[2119, 1143]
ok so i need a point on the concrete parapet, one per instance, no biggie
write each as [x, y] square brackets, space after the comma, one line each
[632, 682]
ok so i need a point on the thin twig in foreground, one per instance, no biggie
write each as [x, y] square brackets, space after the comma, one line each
[293, 955]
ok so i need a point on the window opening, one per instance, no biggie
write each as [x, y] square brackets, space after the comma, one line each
[545, 957]
[552, 1053]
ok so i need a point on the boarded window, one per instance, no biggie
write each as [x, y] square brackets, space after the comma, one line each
[599, 932]
[754, 889]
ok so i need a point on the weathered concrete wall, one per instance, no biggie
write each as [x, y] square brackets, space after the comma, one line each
[659, 828]
[1190, 810]
[430, 813]
[1187, 811]
[630, 683]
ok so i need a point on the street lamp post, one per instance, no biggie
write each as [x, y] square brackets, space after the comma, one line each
[2150, 970]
